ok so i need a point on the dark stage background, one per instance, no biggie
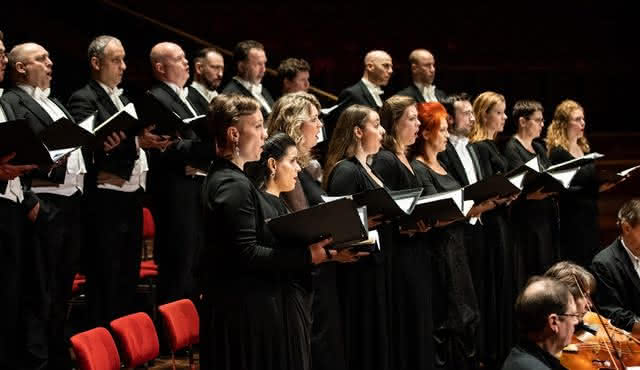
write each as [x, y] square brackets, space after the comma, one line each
[547, 51]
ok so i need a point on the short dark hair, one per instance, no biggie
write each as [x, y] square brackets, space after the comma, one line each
[525, 108]
[202, 54]
[224, 112]
[535, 304]
[579, 281]
[1, 36]
[275, 147]
[241, 51]
[289, 68]
[629, 213]
[450, 100]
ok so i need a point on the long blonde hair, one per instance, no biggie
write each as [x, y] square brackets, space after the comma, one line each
[557, 131]
[344, 143]
[288, 114]
[481, 106]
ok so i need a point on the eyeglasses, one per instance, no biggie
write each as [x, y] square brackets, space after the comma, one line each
[577, 316]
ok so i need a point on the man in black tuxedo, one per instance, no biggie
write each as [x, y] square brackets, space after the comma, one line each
[293, 74]
[175, 179]
[423, 72]
[208, 68]
[115, 183]
[617, 270]
[59, 225]
[378, 67]
[251, 61]
[12, 239]
[547, 317]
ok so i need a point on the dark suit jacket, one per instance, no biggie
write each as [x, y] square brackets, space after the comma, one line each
[356, 94]
[198, 102]
[93, 99]
[24, 106]
[234, 87]
[413, 91]
[529, 356]
[8, 112]
[618, 293]
[452, 163]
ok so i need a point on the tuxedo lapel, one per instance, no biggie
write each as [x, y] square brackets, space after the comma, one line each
[8, 112]
[367, 95]
[33, 107]
[177, 105]
[417, 94]
[103, 99]
[456, 164]
[627, 265]
[476, 162]
[64, 110]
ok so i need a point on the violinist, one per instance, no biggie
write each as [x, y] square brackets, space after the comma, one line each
[581, 283]
[547, 316]
[617, 270]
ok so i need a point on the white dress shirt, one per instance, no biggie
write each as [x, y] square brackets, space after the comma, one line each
[460, 145]
[256, 91]
[207, 94]
[13, 192]
[634, 260]
[374, 90]
[74, 177]
[428, 92]
[138, 178]
[182, 94]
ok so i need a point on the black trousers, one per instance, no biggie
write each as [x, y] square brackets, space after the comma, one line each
[50, 266]
[114, 253]
[12, 246]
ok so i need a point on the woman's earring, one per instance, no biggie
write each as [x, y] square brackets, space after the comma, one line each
[273, 174]
[236, 149]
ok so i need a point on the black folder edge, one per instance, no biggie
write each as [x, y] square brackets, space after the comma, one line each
[432, 212]
[128, 124]
[379, 201]
[308, 226]
[487, 188]
[63, 134]
[39, 157]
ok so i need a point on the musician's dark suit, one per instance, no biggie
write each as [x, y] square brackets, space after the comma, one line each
[355, 94]
[176, 198]
[115, 217]
[235, 87]
[451, 161]
[618, 293]
[59, 240]
[413, 91]
[198, 102]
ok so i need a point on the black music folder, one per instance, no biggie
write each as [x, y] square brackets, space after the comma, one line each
[17, 137]
[389, 204]
[576, 162]
[338, 219]
[487, 188]
[63, 134]
[167, 122]
[446, 206]
[126, 120]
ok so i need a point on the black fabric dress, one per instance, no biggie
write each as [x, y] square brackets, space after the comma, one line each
[244, 318]
[500, 261]
[456, 316]
[362, 286]
[579, 227]
[535, 222]
[410, 279]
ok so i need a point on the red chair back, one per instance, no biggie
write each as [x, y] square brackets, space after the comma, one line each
[137, 338]
[95, 350]
[148, 226]
[182, 323]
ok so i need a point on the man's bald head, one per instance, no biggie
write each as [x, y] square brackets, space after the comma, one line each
[30, 64]
[378, 67]
[423, 66]
[169, 63]
[541, 297]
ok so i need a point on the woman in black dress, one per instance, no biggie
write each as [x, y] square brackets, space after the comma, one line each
[297, 115]
[579, 228]
[457, 316]
[489, 111]
[362, 287]
[243, 322]
[535, 216]
[410, 279]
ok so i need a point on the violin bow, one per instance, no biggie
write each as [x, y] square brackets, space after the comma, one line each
[613, 344]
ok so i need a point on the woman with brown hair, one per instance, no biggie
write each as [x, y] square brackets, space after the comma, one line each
[410, 279]
[579, 227]
[244, 273]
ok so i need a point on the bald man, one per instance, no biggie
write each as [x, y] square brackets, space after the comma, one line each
[60, 220]
[423, 72]
[378, 67]
[175, 179]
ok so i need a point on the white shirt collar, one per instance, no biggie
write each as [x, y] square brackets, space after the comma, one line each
[375, 89]
[458, 140]
[634, 259]
[115, 91]
[36, 92]
[180, 91]
[206, 93]
[254, 88]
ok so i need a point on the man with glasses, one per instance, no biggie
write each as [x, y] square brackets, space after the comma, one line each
[547, 317]
[617, 270]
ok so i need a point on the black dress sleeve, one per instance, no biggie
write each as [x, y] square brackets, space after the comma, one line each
[237, 201]
[386, 165]
[512, 156]
[344, 179]
[424, 178]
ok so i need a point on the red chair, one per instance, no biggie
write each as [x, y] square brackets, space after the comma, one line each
[137, 339]
[182, 325]
[95, 350]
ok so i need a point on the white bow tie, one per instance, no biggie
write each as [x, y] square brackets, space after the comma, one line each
[182, 93]
[115, 92]
[376, 90]
[256, 89]
[429, 90]
[40, 94]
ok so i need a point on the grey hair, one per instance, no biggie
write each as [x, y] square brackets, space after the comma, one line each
[97, 46]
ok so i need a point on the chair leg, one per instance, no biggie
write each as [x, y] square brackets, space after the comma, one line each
[192, 364]
[173, 360]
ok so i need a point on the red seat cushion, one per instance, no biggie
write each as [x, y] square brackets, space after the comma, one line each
[137, 337]
[182, 323]
[95, 350]
[148, 226]
[146, 273]
[148, 265]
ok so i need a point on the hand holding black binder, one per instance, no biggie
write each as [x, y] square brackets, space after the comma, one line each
[63, 134]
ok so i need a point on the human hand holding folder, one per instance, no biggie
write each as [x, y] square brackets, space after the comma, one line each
[9, 171]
